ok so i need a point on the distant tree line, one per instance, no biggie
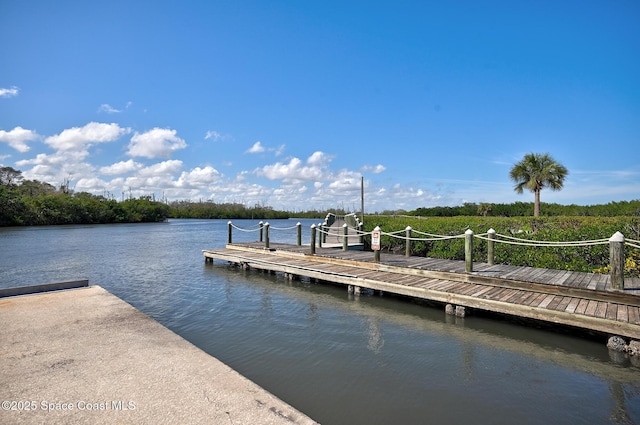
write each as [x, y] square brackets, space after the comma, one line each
[32, 202]
[523, 209]
[212, 210]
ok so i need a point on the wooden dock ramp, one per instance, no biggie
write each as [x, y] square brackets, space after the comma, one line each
[575, 299]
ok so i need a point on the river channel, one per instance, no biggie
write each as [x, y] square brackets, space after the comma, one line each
[338, 358]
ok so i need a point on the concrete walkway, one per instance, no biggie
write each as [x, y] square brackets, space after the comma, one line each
[85, 356]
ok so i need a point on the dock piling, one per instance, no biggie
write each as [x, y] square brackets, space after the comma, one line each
[468, 250]
[491, 235]
[345, 237]
[616, 260]
[313, 239]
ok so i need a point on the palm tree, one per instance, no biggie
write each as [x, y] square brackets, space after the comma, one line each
[535, 172]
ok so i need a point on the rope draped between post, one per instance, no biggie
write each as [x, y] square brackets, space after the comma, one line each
[636, 244]
[322, 230]
[284, 228]
[259, 226]
[528, 242]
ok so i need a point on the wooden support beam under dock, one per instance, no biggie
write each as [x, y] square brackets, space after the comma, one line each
[581, 300]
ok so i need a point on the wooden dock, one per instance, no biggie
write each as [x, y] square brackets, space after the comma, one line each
[574, 299]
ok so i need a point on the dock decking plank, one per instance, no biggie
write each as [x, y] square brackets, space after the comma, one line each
[573, 304]
[562, 306]
[555, 302]
[634, 315]
[622, 315]
[612, 311]
[601, 310]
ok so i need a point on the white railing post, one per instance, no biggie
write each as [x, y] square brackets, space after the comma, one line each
[616, 260]
[407, 249]
[313, 239]
[376, 242]
[468, 251]
[266, 235]
[345, 237]
[491, 235]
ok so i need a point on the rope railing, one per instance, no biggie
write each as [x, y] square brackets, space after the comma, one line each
[634, 245]
[345, 233]
[413, 239]
[284, 228]
[264, 230]
[560, 243]
[529, 242]
[510, 240]
[249, 230]
[433, 235]
[324, 229]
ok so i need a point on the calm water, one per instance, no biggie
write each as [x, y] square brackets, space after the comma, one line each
[338, 358]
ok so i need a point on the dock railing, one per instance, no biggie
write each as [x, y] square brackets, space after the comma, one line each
[264, 232]
[320, 232]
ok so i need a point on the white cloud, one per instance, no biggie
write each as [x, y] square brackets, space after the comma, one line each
[58, 168]
[346, 181]
[159, 176]
[164, 168]
[295, 171]
[121, 167]
[155, 143]
[91, 184]
[80, 138]
[214, 135]
[105, 107]
[375, 169]
[10, 92]
[259, 148]
[17, 137]
[256, 148]
[48, 160]
[280, 170]
[319, 159]
[198, 177]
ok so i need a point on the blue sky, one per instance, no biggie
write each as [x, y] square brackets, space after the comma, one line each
[289, 103]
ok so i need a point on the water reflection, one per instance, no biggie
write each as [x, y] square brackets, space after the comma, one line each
[376, 340]
[482, 353]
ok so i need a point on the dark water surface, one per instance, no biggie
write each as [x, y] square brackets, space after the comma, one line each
[338, 358]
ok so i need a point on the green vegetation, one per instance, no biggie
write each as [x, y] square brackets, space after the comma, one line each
[212, 210]
[31, 202]
[535, 172]
[587, 259]
[186, 209]
[523, 209]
